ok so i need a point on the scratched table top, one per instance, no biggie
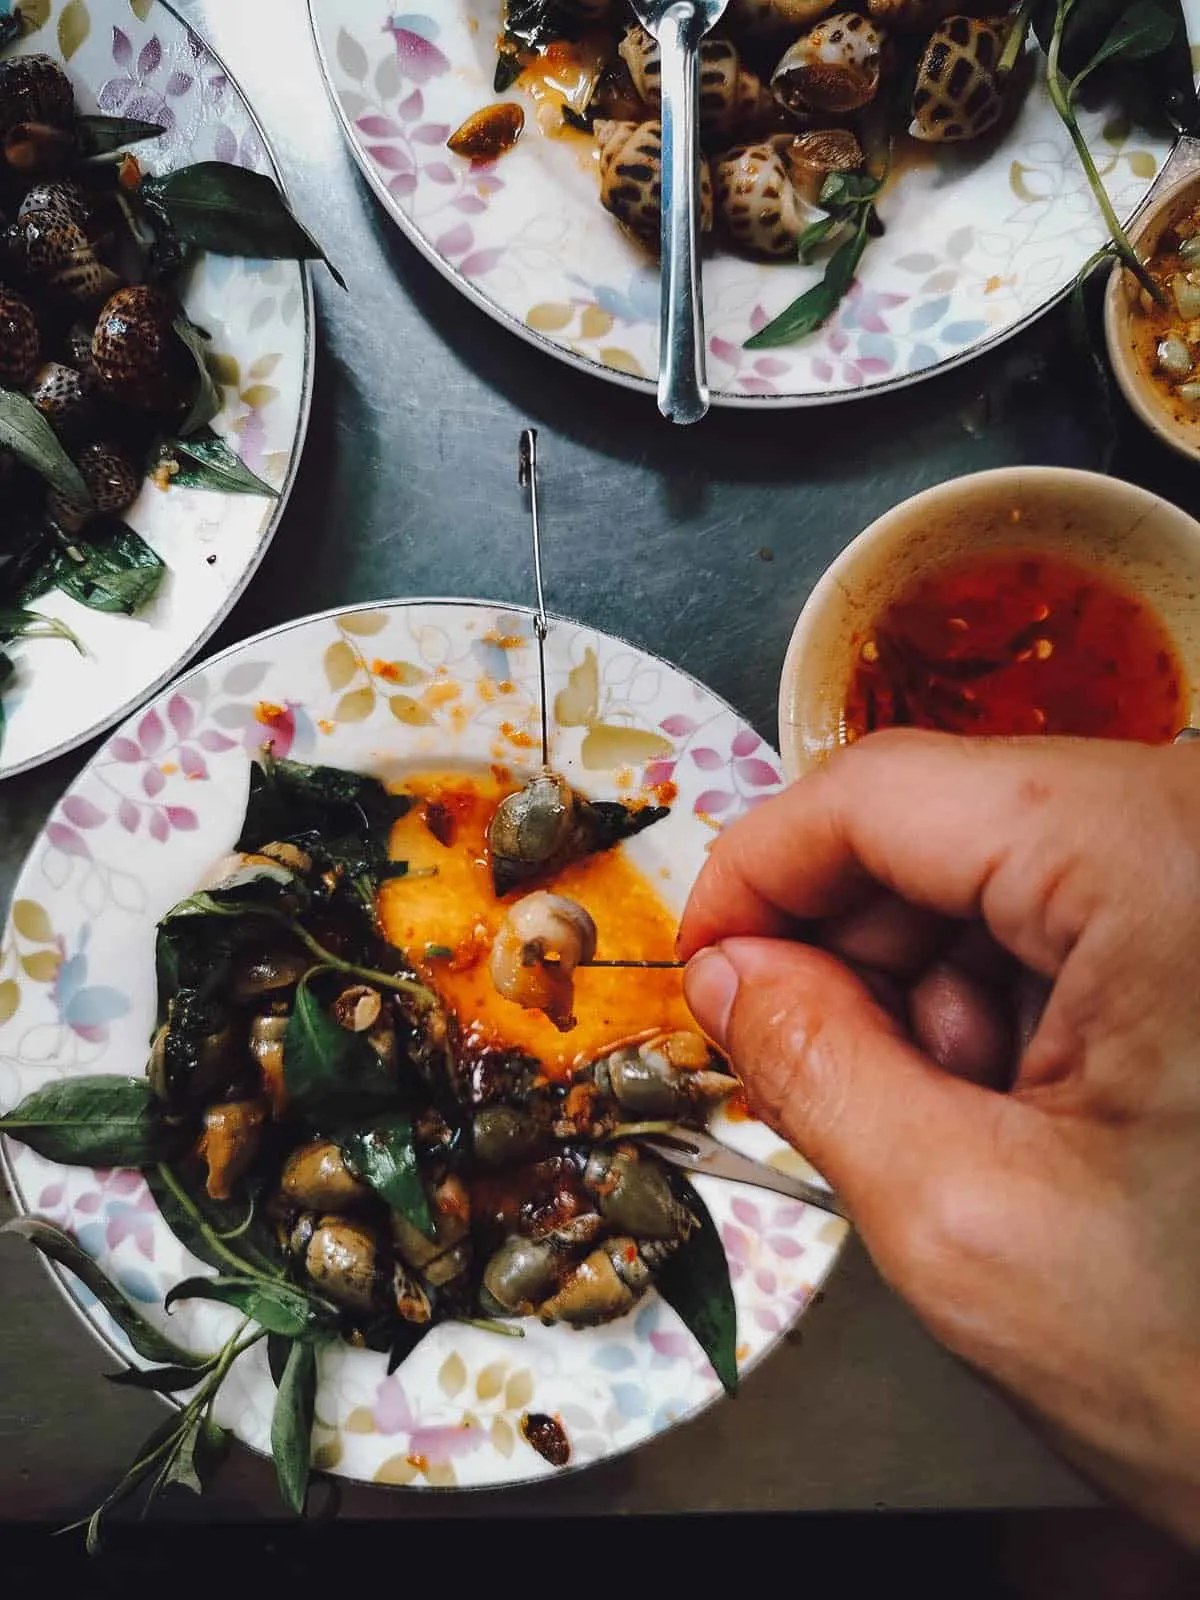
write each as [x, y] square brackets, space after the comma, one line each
[700, 544]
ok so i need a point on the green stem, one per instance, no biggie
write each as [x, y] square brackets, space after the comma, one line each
[385, 980]
[1060, 99]
[1014, 45]
[240, 1266]
[492, 1325]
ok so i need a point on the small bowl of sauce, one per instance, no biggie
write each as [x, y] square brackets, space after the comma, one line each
[1155, 347]
[1024, 601]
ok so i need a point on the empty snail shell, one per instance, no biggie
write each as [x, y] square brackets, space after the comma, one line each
[541, 941]
[229, 1143]
[958, 94]
[316, 1176]
[113, 481]
[777, 16]
[756, 200]
[631, 179]
[57, 254]
[60, 394]
[34, 88]
[833, 68]
[19, 340]
[812, 157]
[733, 99]
[140, 361]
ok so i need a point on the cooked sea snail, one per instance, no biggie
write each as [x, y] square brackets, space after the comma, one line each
[230, 1142]
[608, 1282]
[733, 99]
[55, 253]
[113, 482]
[193, 1054]
[139, 359]
[545, 825]
[958, 93]
[634, 1194]
[267, 1034]
[20, 341]
[813, 157]
[64, 202]
[317, 1177]
[541, 941]
[834, 68]
[775, 16]
[61, 394]
[670, 1075]
[912, 15]
[757, 202]
[631, 179]
[345, 1261]
[34, 88]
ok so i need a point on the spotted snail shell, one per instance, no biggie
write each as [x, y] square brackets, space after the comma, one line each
[34, 89]
[631, 178]
[19, 340]
[833, 68]
[756, 201]
[958, 92]
[113, 482]
[774, 16]
[61, 394]
[58, 255]
[732, 98]
[811, 157]
[62, 201]
[139, 359]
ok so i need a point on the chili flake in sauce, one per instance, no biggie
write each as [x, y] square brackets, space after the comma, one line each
[1018, 643]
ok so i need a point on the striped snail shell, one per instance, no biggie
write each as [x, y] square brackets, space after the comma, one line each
[34, 89]
[777, 16]
[756, 200]
[139, 360]
[631, 179]
[113, 482]
[811, 157]
[61, 394]
[732, 98]
[958, 93]
[58, 255]
[20, 340]
[834, 68]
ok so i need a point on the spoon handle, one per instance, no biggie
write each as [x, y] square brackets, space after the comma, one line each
[682, 378]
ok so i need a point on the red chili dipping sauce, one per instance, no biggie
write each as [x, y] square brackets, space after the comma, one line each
[1018, 643]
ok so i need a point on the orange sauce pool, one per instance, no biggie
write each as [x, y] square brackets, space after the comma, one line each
[1018, 643]
[454, 908]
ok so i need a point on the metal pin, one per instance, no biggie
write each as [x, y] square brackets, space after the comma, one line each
[1186, 735]
[527, 478]
[663, 965]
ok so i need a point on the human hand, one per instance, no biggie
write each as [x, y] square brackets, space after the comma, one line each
[961, 977]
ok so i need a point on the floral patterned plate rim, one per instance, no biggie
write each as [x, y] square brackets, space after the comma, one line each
[140, 58]
[163, 798]
[977, 245]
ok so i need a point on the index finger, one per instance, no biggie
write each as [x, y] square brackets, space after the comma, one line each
[1018, 831]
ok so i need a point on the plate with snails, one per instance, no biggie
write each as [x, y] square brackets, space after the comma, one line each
[146, 563]
[986, 213]
[431, 711]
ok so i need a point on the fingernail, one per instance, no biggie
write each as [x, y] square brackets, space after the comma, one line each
[710, 986]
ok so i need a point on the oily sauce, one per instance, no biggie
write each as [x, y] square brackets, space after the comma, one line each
[444, 914]
[1018, 643]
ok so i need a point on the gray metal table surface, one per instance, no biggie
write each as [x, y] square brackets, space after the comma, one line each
[700, 544]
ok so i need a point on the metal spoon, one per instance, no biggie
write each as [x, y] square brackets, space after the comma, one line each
[679, 26]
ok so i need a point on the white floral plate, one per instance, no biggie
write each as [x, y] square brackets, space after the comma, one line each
[164, 798]
[977, 243]
[138, 58]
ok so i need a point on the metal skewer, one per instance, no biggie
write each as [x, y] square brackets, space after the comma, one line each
[527, 478]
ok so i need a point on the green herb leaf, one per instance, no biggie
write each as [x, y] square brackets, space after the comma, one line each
[201, 1448]
[161, 1380]
[326, 1068]
[289, 800]
[279, 1348]
[16, 623]
[98, 1121]
[144, 1338]
[695, 1283]
[211, 464]
[231, 211]
[814, 235]
[207, 1227]
[292, 1425]
[100, 136]
[278, 1307]
[25, 431]
[817, 304]
[119, 571]
[151, 1454]
[208, 400]
[383, 1154]
[1143, 29]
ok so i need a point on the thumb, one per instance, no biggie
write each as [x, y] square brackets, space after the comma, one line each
[832, 1072]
